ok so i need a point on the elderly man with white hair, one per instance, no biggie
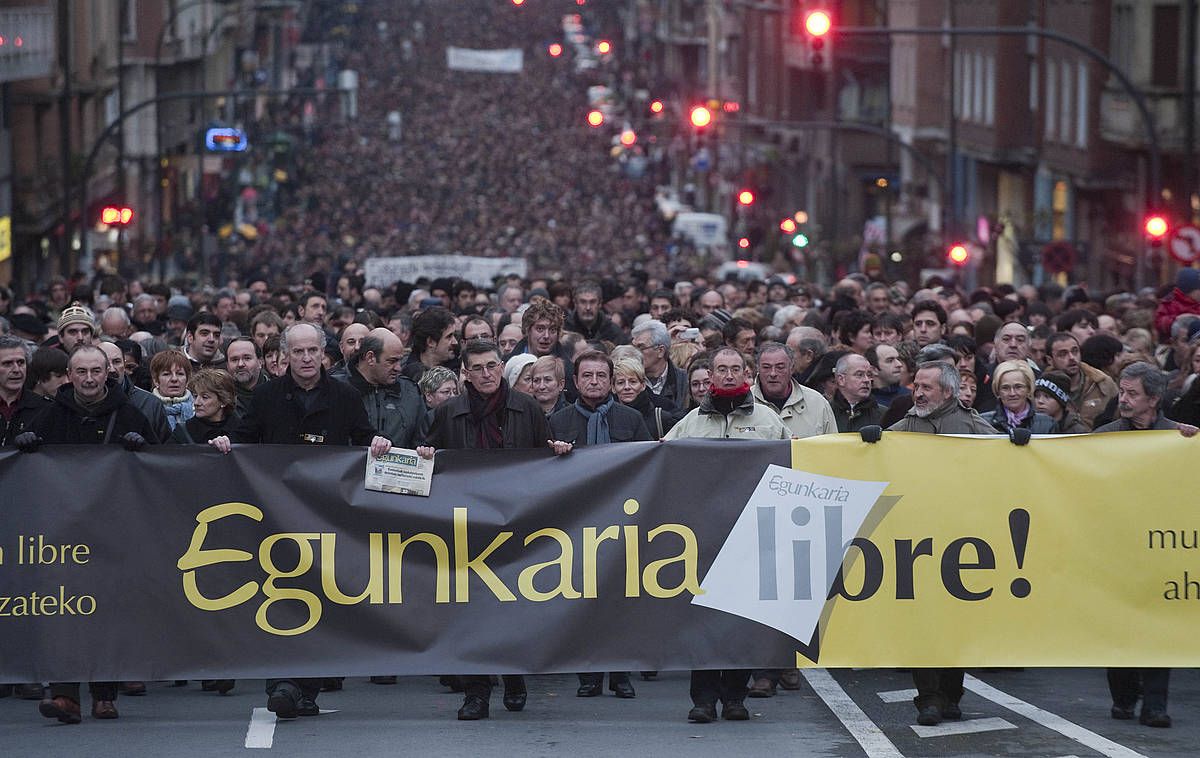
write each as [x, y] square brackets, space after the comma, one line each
[663, 378]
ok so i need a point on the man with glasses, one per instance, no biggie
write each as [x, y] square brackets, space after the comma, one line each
[728, 411]
[664, 379]
[853, 406]
[488, 416]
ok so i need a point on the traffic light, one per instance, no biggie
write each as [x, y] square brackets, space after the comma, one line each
[518, 3]
[800, 241]
[817, 25]
[604, 47]
[958, 254]
[116, 215]
[1156, 227]
[556, 50]
[595, 118]
[628, 137]
[787, 226]
[656, 107]
[701, 116]
[745, 198]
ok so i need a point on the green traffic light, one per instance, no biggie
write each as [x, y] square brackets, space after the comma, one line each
[800, 240]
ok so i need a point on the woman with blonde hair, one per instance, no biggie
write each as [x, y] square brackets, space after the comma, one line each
[1012, 383]
[629, 386]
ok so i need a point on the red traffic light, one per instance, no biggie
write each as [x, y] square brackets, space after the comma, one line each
[745, 197]
[701, 117]
[958, 254]
[743, 243]
[604, 47]
[656, 106]
[113, 215]
[595, 118]
[518, 2]
[818, 23]
[628, 137]
[787, 226]
[1156, 226]
[555, 50]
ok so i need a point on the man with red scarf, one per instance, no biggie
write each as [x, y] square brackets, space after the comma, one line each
[490, 415]
[728, 411]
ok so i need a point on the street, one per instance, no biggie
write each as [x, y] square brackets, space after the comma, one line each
[1036, 712]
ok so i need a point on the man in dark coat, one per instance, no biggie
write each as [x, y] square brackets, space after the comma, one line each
[394, 404]
[90, 410]
[488, 416]
[19, 407]
[853, 406]
[588, 318]
[304, 406]
[596, 418]
[1139, 403]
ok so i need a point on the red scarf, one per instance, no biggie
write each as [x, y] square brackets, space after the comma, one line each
[733, 392]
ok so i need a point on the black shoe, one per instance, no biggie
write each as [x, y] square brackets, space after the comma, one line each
[383, 680]
[473, 709]
[703, 714]
[929, 715]
[1155, 718]
[1122, 712]
[307, 707]
[648, 675]
[223, 686]
[29, 691]
[592, 689]
[622, 689]
[208, 685]
[515, 701]
[735, 711]
[284, 701]
[952, 712]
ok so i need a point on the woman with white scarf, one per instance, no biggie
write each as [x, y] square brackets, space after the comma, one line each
[170, 372]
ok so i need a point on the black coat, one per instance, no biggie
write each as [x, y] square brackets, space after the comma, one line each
[675, 387]
[624, 425]
[29, 407]
[66, 422]
[276, 415]
[198, 431]
[655, 412]
[523, 424]
[602, 329]
[866, 413]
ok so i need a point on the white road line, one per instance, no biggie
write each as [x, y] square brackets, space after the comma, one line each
[869, 736]
[1057, 723]
[970, 726]
[898, 696]
[261, 732]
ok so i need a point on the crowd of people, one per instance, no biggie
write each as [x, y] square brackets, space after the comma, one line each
[542, 363]
[615, 338]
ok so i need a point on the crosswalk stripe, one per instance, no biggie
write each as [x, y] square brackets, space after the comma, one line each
[898, 696]
[261, 732]
[969, 726]
[1052, 721]
[868, 735]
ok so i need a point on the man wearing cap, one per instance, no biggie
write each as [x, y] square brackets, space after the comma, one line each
[179, 312]
[1139, 403]
[1052, 396]
[28, 327]
[76, 326]
[1185, 298]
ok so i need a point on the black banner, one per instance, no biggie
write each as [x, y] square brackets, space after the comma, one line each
[181, 563]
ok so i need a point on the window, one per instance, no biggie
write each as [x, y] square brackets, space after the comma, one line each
[1051, 107]
[1122, 36]
[989, 100]
[1064, 99]
[1081, 107]
[1034, 81]
[1164, 63]
[977, 102]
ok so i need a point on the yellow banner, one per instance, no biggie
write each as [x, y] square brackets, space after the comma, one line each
[1069, 551]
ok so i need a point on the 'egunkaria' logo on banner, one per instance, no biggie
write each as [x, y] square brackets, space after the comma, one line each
[779, 563]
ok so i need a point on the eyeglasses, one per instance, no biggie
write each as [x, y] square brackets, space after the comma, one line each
[481, 368]
[644, 348]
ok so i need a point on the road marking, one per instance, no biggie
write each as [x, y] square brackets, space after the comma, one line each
[869, 736]
[1052, 721]
[898, 696]
[970, 726]
[261, 732]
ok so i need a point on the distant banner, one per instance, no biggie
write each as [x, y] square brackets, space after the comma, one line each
[384, 272]
[509, 61]
[180, 563]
